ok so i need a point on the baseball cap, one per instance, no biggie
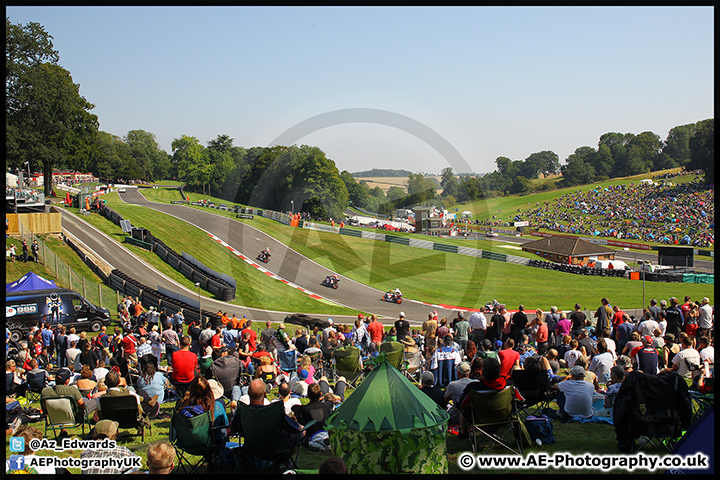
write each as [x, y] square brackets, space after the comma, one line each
[106, 427]
[63, 375]
[498, 344]
[647, 340]
[330, 321]
[427, 378]
[216, 388]
[303, 374]
[361, 316]
[401, 314]
[463, 368]
[577, 371]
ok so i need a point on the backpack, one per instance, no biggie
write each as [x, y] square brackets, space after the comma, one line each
[319, 441]
[540, 428]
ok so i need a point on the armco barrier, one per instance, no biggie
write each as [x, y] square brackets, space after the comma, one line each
[150, 297]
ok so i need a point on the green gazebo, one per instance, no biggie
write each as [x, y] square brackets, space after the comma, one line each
[389, 426]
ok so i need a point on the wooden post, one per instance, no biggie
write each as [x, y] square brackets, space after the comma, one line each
[100, 295]
[70, 277]
[84, 288]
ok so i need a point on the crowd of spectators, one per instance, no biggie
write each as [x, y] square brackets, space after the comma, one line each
[680, 214]
[206, 369]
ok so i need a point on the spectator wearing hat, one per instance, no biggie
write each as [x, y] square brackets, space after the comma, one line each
[687, 361]
[455, 389]
[109, 429]
[646, 357]
[63, 388]
[575, 396]
[427, 386]
[705, 318]
[625, 362]
[330, 328]
[402, 326]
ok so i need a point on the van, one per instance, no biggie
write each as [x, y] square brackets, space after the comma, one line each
[57, 306]
[617, 264]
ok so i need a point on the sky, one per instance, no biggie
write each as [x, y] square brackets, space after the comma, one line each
[418, 89]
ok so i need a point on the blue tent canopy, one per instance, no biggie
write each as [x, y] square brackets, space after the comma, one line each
[29, 281]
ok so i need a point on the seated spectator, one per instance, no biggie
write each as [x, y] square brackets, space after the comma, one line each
[646, 357]
[575, 397]
[601, 363]
[476, 368]
[486, 350]
[226, 369]
[100, 372]
[85, 382]
[588, 376]
[42, 376]
[160, 457]
[336, 394]
[152, 382]
[108, 429]
[317, 409]
[28, 432]
[202, 396]
[284, 395]
[292, 429]
[146, 405]
[455, 389]
[509, 359]
[687, 361]
[632, 344]
[427, 386]
[62, 388]
[267, 371]
[491, 380]
[617, 375]
[572, 354]
[470, 350]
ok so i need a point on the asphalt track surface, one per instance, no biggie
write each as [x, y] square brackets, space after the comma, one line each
[246, 240]
[284, 262]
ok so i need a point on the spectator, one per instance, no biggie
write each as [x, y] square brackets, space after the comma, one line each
[686, 361]
[427, 386]
[674, 317]
[587, 345]
[317, 409]
[617, 375]
[160, 458]
[14, 384]
[62, 388]
[602, 362]
[85, 382]
[184, 364]
[152, 382]
[647, 357]
[376, 330]
[705, 318]
[562, 328]
[575, 397]
[455, 389]
[284, 395]
[478, 326]
[509, 359]
[109, 429]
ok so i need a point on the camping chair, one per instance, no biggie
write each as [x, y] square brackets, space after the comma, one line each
[394, 352]
[35, 384]
[445, 373]
[535, 388]
[125, 410]
[62, 412]
[317, 363]
[194, 436]
[413, 365]
[654, 408]
[289, 361]
[493, 410]
[264, 443]
[347, 364]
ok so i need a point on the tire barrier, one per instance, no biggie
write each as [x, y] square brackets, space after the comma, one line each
[149, 297]
[221, 289]
[576, 269]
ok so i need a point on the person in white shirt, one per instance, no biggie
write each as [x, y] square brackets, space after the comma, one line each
[705, 318]
[648, 327]
[288, 401]
[478, 324]
[688, 355]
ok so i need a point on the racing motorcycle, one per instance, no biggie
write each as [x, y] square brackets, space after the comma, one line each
[264, 257]
[331, 281]
[392, 297]
[490, 305]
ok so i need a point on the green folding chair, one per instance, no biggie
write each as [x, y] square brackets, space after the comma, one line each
[194, 436]
[347, 364]
[62, 412]
[394, 353]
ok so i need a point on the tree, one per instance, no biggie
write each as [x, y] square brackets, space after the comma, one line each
[577, 171]
[50, 122]
[189, 159]
[702, 150]
[545, 162]
[677, 143]
[152, 160]
[521, 185]
[417, 183]
[394, 193]
[449, 182]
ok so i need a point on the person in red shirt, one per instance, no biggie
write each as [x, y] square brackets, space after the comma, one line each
[509, 358]
[376, 330]
[216, 340]
[128, 345]
[252, 340]
[184, 364]
[542, 335]
[617, 318]
[139, 309]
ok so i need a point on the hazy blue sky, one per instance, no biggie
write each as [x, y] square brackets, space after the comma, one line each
[491, 81]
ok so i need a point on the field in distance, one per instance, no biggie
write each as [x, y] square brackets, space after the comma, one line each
[386, 182]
